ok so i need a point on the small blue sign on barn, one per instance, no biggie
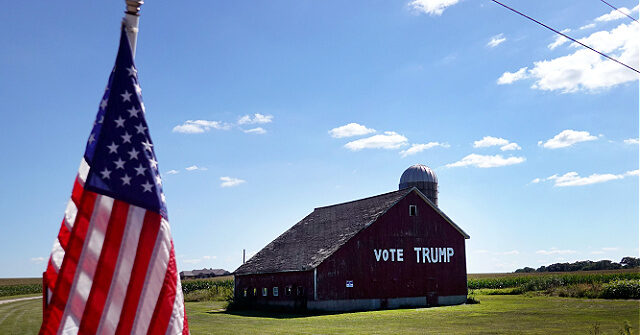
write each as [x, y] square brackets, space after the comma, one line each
[349, 283]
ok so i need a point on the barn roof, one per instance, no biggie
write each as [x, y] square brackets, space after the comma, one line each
[310, 241]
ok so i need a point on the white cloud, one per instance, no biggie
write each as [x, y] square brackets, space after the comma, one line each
[496, 40]
[610, 249]
[554, 251]
[195, 168]
[512, 252]
[597, 252]
[258, 130]
[510, 77]
[388, 140]
[257, 118]
[632, 141]
[490, 141]
[574, 179]
[230, 182]
[192, 261]
[200, 126]
[588, 26]
[209, 257]
[431, 7]
[559, 40]
[510, 146]
[351, 129]
[584, 70]
[417, 148]
[37, 260]
[614, 15]
[173, 172]
[567, 138]
[486, 161]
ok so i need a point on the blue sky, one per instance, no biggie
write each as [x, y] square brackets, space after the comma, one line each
[261, 111]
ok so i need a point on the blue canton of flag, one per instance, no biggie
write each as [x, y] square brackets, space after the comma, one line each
[119, 150]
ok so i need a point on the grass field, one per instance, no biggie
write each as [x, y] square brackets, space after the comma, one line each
[494, 315]
[531, 313]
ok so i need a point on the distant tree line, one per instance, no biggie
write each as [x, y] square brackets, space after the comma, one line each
[625, 263]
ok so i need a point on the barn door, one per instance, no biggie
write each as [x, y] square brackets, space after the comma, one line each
[432, 292]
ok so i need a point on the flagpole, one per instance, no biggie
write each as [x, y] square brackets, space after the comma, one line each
[131, 20]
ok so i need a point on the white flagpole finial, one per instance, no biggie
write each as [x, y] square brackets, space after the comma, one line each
[131, 20]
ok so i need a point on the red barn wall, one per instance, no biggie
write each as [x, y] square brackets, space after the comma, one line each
[396, 229]
[281, 280]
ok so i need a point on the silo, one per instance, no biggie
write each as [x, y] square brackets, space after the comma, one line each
[423, 178]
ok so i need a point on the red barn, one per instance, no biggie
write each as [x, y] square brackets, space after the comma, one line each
[392, 250]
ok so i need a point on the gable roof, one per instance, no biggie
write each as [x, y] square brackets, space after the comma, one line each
[316, 237]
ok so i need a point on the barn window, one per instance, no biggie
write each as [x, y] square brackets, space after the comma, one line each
[265, 291]
[299, 291]
[288, 290]
[245, 292]
[413, 210]
[275, 291]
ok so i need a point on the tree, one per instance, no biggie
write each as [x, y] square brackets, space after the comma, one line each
[630, 262]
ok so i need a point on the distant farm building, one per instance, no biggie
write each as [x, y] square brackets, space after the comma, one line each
[392, 250]
[204, 273]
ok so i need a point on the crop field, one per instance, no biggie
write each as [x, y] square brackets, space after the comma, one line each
[537, 274]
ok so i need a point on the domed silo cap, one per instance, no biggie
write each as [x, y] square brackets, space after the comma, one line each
[417, 173]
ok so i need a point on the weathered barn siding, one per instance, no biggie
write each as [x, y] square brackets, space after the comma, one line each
[356, 261]
[295, 279]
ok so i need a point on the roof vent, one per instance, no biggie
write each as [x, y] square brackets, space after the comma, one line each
[423, 178]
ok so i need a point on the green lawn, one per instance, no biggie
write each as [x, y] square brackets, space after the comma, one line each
[21, 317]
[515, 314]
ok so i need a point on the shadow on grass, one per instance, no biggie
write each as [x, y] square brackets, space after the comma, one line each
[274, 313]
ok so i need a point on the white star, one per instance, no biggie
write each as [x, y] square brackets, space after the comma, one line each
[119, 163]
[140, 170]
[133, 111]
[113, 148]
[141, 128]
[158, 180]
[147, 145]
[92, 138]
[103, 104]
[101, 119]
[126, 180]
[105, 173]
[119, 122]
[126, 96]
[154, 163]
[142, 106]
[132, 70]
[137, 88]
[147, 186]
[126, 138]
[164, 199]
[133, 154]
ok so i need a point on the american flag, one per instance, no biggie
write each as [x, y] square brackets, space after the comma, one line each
[112, 269]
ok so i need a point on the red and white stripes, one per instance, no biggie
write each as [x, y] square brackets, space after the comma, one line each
[112, 270]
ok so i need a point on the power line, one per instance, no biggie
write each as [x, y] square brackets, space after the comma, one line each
[627, 15]
[568, 37]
